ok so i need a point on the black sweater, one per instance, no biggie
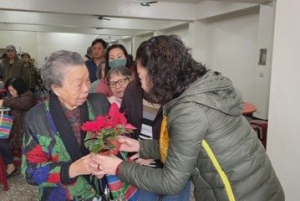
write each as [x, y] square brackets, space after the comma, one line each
[132, 104]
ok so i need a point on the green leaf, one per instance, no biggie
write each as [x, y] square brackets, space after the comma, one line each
[89, 135]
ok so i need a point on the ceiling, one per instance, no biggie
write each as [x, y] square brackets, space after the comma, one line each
[122, 18]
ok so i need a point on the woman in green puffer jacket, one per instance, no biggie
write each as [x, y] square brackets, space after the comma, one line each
[205, 137]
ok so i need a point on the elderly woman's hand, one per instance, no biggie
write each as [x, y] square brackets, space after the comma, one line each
[129, 144]
[81, 167]
[105, 164]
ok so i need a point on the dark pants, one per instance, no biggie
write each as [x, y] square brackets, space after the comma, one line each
[6, 152]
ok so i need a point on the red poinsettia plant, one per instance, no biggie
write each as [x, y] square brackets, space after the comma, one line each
[102, 133]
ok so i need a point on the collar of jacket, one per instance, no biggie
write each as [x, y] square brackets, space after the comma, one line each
[64, 129]
[214, 91]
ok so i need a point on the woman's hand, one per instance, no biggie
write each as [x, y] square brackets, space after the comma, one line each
[129, 144]
[81, 167]
[136, 158]
[105, 164]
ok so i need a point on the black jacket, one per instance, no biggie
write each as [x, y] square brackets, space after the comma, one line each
[132, 104]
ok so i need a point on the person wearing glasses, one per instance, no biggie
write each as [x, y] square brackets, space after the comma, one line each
[116, 56]
[118, 78]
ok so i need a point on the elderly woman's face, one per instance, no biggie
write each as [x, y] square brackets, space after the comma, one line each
[118, 84]
[142, 73]
[75, 87]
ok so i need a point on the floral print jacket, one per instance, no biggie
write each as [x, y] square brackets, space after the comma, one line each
[50, 147]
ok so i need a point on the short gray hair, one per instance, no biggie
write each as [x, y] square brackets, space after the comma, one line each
[54, 70]
[122, 70]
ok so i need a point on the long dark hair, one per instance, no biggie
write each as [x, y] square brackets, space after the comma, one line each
[169, 65]
[18, 84]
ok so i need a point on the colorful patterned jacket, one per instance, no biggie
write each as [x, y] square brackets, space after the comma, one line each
[50, 147]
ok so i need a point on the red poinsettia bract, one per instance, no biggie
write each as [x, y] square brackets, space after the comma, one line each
[106, 128]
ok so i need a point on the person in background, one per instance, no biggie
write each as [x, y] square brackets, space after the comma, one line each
[13, 66]
[54, 155]
[3, 57]
[96, 64]
[88, 54]
[118, 79]
[20, 100]
[5, 151]
[116, 56]
[204, 136]
[29, 75]
[2, 87]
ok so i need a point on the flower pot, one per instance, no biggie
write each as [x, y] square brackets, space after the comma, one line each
[116, 144]
[105, 152]
[111, 148]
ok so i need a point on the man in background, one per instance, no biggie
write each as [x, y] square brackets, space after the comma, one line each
[88, 54]
[3, 57]
[13, 66]
[30, 73]
[96, 64]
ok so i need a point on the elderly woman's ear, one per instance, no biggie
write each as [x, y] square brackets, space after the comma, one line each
[55, 89]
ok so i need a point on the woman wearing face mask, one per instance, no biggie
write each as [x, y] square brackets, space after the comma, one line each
[116, 56]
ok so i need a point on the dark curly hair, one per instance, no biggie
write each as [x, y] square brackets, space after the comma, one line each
[170, 67]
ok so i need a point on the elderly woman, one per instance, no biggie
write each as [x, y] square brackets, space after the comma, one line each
[118, 78]
[54, 157]
[204, 136]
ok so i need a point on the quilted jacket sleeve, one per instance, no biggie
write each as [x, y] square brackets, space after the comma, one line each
[149, 149]
[41, 163]
[24, 102]
[187, 125]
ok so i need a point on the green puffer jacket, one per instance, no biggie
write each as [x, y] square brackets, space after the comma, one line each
[212, 144]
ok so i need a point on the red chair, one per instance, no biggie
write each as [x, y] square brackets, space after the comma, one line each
[17, 154]
[3, 178]
[261, 128]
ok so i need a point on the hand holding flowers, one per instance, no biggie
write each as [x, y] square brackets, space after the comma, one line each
[109, 164]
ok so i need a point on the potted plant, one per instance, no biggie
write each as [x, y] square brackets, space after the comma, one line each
[102, 133]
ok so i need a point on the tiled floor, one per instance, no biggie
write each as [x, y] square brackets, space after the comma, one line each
[19, 190]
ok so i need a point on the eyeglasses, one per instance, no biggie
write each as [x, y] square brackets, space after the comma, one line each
[121, 82]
